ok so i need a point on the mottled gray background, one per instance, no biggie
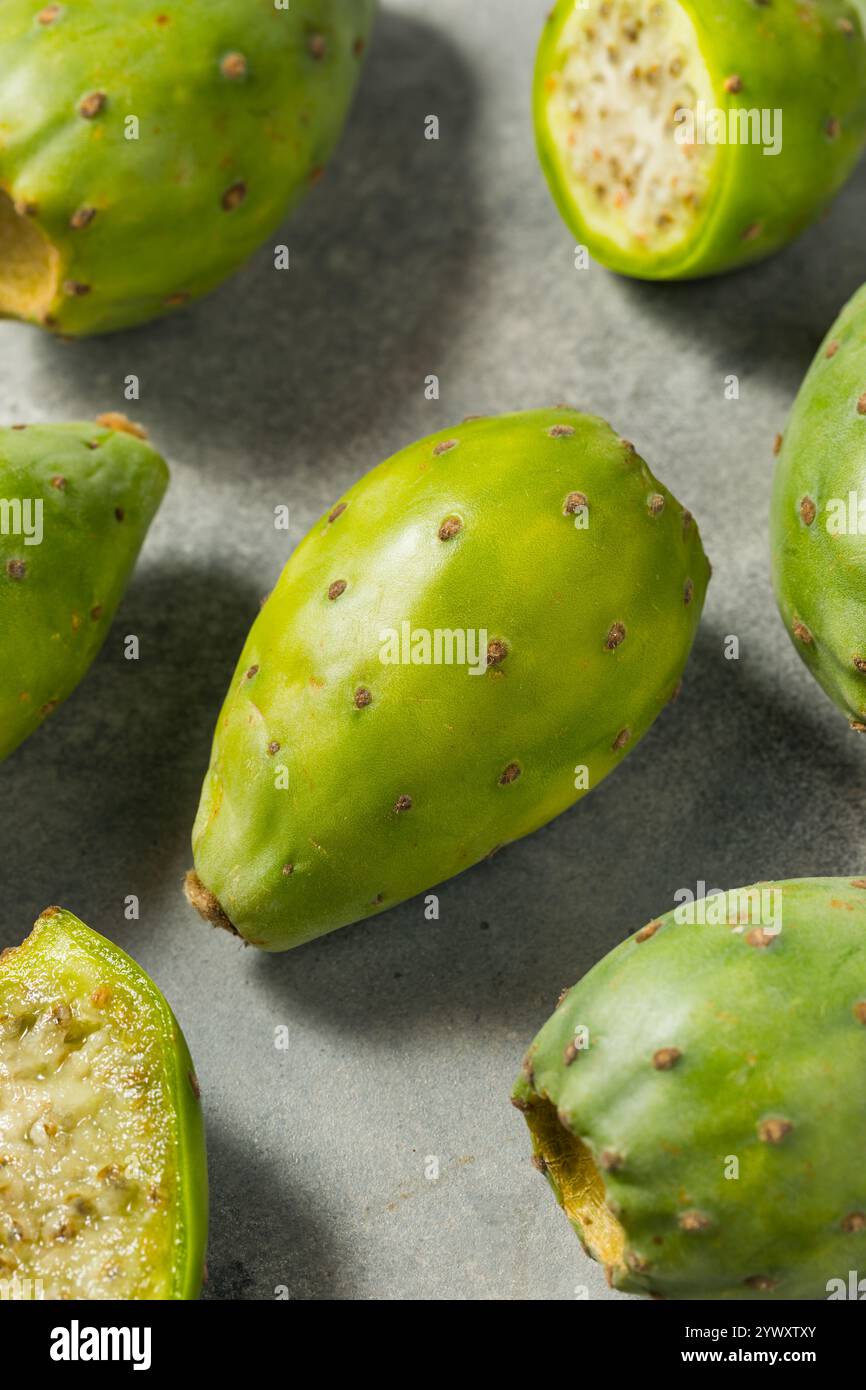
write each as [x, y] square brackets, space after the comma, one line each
[414, 257]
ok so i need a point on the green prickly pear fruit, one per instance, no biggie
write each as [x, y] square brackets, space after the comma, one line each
[695, 1101]
[818, 516]
[682, 139]
[149, 149]
[104, 1189]
[75, 504]
[472, 637]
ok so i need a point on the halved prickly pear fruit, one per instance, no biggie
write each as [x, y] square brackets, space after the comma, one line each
[682, 139]
[696, 1100]
[471, 638]
[147, 150]
[103, 1178]
[818, 515]
[75, 504]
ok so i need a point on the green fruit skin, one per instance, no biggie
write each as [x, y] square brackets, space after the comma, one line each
[819, 574]
[56, 939]
[791, 56]
[100, 488]
[764, 1032]
[161, 234]
[520, 570]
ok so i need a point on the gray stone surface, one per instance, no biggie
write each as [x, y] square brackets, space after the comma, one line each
[415, 257]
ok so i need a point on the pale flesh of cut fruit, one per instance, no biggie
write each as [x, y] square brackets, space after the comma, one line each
[29, 265]
[87, 1179]
[627, 66]
[577, 1182]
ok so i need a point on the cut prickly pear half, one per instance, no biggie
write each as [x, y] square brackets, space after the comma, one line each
[76, 501]
[818, 516]
[681, 139]
[103, 1179]
[471, 638]
[695, 1101]
[149, 149]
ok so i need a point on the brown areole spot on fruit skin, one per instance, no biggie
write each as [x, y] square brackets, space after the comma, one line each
[338, 511]
[774, 1131]
[450, 527]
[853, 1222]
[808, 511]
[569, 1054]
[688, 592]
[574, 502]
[317, 45]
[860, 1011]
[760, 938]
[336, 589]
[234, 66]
[82, 217]
[560, 431]
[615, 636]
[497, 651]
[444, 446]
[509, 774]
[648, 931]
[362, 697]
[91, 105]
[206, 904]
[403, 803]
[831, 349]
[250, 672]
[694, 1221]
[16, 569]
[621, 739]
[655, 504]
[762, 1282]
[801, 632]
[273, 747]
[778, 441]
[234, 196]
[666, 1057]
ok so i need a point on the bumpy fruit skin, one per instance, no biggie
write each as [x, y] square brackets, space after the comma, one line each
[59, 949]
[709, 1046]
[818, 519]
[341, 784]
[99, 487]
[239, 106]
[806, 58]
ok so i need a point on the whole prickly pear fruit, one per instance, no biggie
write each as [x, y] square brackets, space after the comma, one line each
[682, 139]
[818, 516]
[696, 1100]
[147, 150]
[472, 637]
[75, 504]
[104, 1191]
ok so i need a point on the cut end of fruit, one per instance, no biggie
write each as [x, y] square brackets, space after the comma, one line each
[577, 1182]
[88, 1175]
[29, 265]
[206, 904]
[621, 73]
